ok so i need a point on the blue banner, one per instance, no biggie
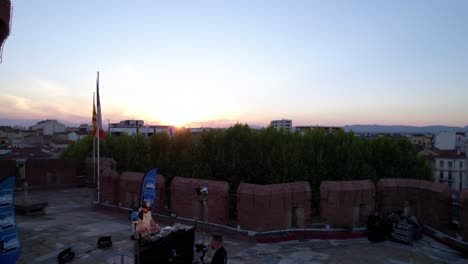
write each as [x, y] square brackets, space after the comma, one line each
[10, 248]
[148, 188]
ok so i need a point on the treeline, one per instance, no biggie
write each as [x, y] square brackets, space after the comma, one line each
[267, 156]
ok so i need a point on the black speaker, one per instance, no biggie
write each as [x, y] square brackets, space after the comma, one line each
[104, 242]
[65, 256]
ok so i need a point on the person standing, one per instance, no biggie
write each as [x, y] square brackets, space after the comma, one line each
[220, 256]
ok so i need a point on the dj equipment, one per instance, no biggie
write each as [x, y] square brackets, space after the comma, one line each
[403, 232]
[173, 244]
[65, 256]
[200, 253]
[104, 242]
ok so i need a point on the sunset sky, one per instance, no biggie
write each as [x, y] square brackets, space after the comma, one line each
[215, 63]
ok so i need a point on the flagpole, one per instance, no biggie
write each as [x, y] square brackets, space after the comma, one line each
[94, 145]
[98, 171]
[98, 143]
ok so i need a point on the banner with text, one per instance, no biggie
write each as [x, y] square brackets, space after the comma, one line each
[9, 240]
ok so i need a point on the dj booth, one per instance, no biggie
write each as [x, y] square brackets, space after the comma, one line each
[173, 244]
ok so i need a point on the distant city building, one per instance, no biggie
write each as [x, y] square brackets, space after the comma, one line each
[26, 141]
[285, 124]
[77, 135]
[49, 127]
[170, 130]
[451, 167]
[451, 141]
[421, 140]
[129, 123]
[328, 129]
[59, 144]
[198, 130]
[132, 127]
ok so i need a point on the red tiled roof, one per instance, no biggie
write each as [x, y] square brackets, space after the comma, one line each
[451, 154]
[62, 141]
[25, 153]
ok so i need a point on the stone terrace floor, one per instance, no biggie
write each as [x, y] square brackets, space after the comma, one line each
[71, 220]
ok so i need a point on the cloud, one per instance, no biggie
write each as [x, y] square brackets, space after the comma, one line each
[39, 99]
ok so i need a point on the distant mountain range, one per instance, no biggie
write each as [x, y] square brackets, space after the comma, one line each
[29, 122]
[354, 128]
[402, 129]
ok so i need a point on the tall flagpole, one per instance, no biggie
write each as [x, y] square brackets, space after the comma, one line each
[98, 172]
[94, 143]
[98, 143]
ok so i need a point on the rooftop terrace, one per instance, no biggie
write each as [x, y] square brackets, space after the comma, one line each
[72, 220]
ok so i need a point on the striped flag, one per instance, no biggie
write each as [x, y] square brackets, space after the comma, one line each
[99, 116]
[95, 128]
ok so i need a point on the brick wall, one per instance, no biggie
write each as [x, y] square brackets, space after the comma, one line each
[52, 172]
[130, 190]
[186, 202]
[430, 201]
[346, 203]
[273, 207]
[89, 170]
[109, 182]
[464, 214]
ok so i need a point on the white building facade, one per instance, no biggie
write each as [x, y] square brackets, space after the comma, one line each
[285, 124]
[49, 127]
[451, 167]
[451, 141]
[132, 127]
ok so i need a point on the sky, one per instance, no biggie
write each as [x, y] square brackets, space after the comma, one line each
[216, 63]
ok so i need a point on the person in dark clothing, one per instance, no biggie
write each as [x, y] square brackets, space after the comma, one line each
[376, 229]
[220, 256]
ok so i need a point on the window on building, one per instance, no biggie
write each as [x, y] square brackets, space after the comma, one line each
[449, 175]
[461, 164]
[450, 164]
[441, 163]
[450, 184]
[441, 175]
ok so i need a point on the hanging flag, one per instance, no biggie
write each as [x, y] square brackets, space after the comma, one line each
[99, 116]
[95, 128]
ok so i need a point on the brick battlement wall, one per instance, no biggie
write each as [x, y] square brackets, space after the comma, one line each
[346, 203]
[288, 205]
[187, 202]
[273, 207]
[52, 172]
[130, 190]
[429, 201]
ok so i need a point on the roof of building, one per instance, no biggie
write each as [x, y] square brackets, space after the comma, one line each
[451, 154]
[24, 153]
[62, 141]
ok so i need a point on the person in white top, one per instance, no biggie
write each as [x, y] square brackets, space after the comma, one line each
[145, 223]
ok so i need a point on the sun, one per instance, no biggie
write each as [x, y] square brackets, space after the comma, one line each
[174, 119]
[178, 123]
